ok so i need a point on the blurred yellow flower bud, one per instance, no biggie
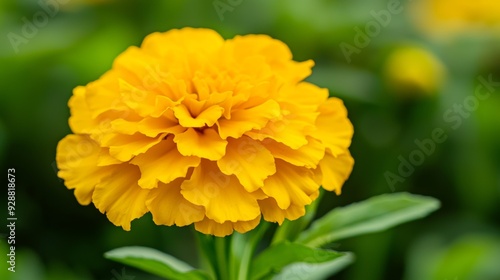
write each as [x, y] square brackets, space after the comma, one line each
[449, 17]
[413, 71]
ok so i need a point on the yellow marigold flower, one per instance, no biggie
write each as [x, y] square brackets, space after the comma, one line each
[200, 130]
[442, 17]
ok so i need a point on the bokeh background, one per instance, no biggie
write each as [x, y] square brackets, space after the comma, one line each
[403, 68]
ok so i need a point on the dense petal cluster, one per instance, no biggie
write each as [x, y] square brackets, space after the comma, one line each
[200, 130]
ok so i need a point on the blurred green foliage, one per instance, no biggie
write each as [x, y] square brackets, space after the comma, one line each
[59, 239]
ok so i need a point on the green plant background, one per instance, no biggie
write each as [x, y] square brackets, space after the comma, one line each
[58, 239]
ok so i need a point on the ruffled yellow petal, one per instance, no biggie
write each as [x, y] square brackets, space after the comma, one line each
[76, 160]
[198, 40]
[223, 197]
[169, 207]
[124, 147]
[149, 126]
[137, 70]
[140, 100]
[290, 184]
[246, 226]
[204, 144]
[208, 226]
[336, 170]
[289, 132]
[208, 117]
[163, 163]
[81, 120]
[273, 213]
[105, 159]
[333, 127]
[244, 120]
[162, 105]
[308, 155]
[303, 94]
[211, 227]
[249, 161]
[119, 196]
[153, 127]
[251, 45]
[247, 95]
[103, 96]
[277, 55]
[125, 127]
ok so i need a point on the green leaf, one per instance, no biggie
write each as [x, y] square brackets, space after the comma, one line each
[315, 271]
[372, 215]
[207, 252]
[156, 262]
[271, 261]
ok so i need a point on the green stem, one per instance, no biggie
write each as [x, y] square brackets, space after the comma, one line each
[207, 253]
[245, 263]
[238, 243]
[250, 241]
[221, 256]
[230, 258]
